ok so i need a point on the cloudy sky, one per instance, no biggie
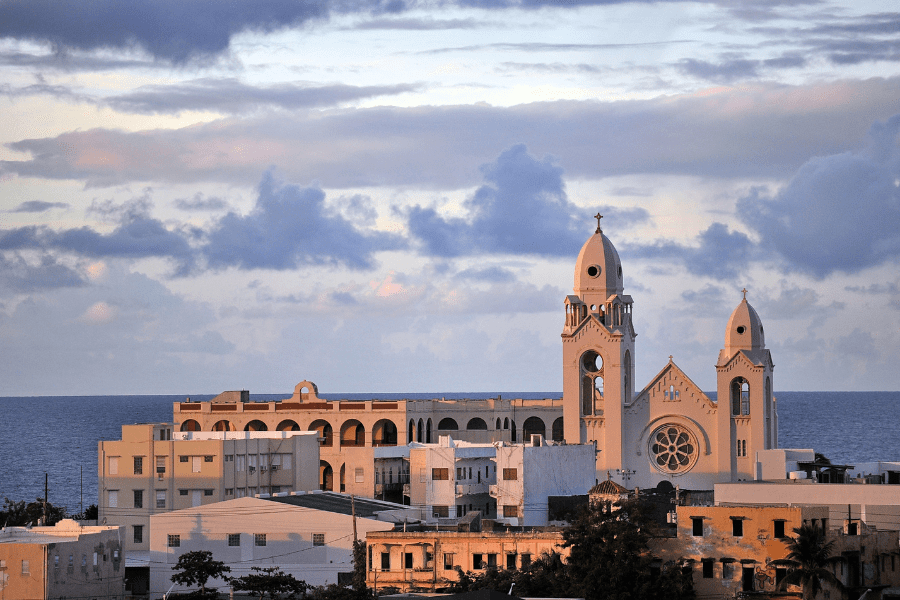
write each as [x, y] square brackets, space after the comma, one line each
[390, 196]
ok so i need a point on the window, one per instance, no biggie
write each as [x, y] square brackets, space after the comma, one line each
[71, 566]
[851, 528]
[208, 492]
[56, 561]
[26, 569]
[207, 459]
[526, 560]
[139, 498]
[407, 560]
[160, 464]
[229, 491]
[510, 511]
[318, 539]
[779, 529]
[448, 561]
[234, 539]
[510, 474]
[727, 571]
[183, 459]
[697, 526]
[492, 561]
[113, 498]
[182, 492]
[737, 527]
[459, 473]
[510, 561]
[138, 465]
[195, 464]
[160, 498]
[259, 539]
[138, 534]
[707, 568]
[385, 561]
[442, 474]
[113, 465]
[477, 561]
[173, 540]
[441, 512]
[229, 458]
[360, 476]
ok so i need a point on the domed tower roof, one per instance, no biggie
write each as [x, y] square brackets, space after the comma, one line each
[745, 330]
[598, 271]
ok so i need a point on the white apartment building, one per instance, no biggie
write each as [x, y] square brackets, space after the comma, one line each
[154, 469]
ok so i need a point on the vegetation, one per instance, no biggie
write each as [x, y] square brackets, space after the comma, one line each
[609, 560]
[198, 567]
[808, 558]
[271, 582]
[19, 514]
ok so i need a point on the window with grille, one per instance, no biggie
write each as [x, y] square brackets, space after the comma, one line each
[139, 498]
[160, 498]
[318, 539]
[259, 539]
[138, 534]
[441, 474]
[234, 539]
[510, 511]
[448, 561]
[510, 474]
[174, 540]
[138, 465]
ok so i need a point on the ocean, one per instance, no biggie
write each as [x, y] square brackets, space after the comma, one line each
[58, 435]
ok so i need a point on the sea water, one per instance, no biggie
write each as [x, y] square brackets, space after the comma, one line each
[58, 435]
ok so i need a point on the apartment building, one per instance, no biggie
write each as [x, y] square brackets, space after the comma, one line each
[427, 561]
[155, 469]
[67, 560]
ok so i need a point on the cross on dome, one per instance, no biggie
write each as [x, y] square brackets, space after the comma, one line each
[598, 216]
[745, 293]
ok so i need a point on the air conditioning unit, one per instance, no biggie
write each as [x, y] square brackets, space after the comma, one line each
[274, 467]
[263, 468]
[252, 469]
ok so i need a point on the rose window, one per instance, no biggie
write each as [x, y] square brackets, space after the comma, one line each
[673, 449]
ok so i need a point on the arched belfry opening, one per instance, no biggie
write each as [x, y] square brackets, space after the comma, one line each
[591, 382]
[740, 397]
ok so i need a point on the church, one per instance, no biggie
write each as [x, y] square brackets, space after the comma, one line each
[669, 430]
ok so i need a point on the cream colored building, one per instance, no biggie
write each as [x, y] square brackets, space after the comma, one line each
[309, 536]
[427, 560]
[65, 561]
[155, 469]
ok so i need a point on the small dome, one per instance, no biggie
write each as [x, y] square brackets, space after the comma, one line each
[598, 271]
[608, 488]
[744, 331]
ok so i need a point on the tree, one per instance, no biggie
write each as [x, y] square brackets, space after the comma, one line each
[271, 582]
[807, 560]
[18, 514]
[198, 567]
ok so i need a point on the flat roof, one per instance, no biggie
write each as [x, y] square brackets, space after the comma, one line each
[339, 503]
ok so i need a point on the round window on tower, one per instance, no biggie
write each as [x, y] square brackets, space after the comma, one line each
[673, 449]
[740, 329]
[591, 362]
[594, 271]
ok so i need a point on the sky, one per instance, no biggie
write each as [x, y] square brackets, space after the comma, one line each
[389, 196]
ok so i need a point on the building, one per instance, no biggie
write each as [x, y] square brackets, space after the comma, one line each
[428, 560]
[65, 561]
[309, 536]
[154, 469]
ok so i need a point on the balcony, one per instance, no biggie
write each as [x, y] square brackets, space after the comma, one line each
[467, 489]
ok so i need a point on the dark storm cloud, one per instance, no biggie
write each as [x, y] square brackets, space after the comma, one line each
[839, 212]
[233, 96]
[719, 253]
[20, 276]
[36, 206]
[779, 128]
[288, 228]
[70, 62]
[521, 208]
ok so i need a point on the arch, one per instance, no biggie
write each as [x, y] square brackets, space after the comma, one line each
[190, 425]
[740, 397]
[557, 430]
[512, 431]
[591, 368]
[411, 432]
[697, 428]
[506, 423]
[326, 433]
[353, 434]
[476, 424]
[533, 426]
[626, 381]
[768, 403]
[384, 433]
[419, 436]
[223, 425]
[447, 424]
[428, 431]
[343, 478]
[288, 425]
[498, 424]
[326, 477]
[256, 425]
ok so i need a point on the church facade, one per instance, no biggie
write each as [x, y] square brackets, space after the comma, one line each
[670, 430]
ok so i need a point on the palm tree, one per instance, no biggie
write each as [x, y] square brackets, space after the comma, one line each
[807, 560]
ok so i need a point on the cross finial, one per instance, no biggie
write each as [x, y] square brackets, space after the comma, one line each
[745, 293]
[670, 358]
[598, 216]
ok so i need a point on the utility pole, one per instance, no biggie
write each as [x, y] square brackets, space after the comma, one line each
[46, 486]
[353, 513]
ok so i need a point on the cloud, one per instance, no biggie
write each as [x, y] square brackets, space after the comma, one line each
[442, 147]
[200, 202]
[291, 227]
[839, 212]
[734, 68]
[720, 253]
[18, 275]
[522, 208]
[492, 274]
[36, 206]
[234, 97]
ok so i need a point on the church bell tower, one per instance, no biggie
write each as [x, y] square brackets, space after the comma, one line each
[598, 352]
